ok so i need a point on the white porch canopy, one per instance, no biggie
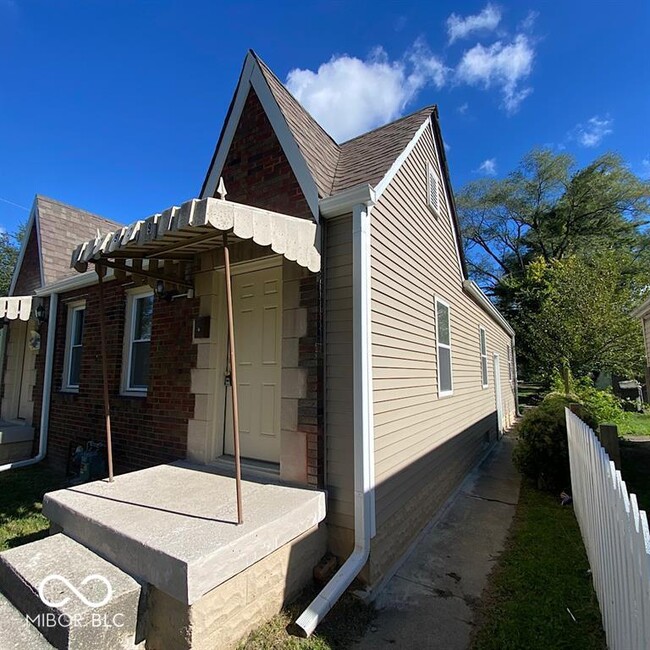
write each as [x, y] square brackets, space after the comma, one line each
[180, 233]
[16, 307]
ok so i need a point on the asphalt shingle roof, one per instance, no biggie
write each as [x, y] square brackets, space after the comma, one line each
[334, 167]
[62, 227]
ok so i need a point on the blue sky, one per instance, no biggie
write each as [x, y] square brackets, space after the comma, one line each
[116, 106]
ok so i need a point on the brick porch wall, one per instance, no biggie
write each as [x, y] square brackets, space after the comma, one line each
[146, 430]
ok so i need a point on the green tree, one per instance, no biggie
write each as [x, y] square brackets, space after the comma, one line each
[9, 248]
[550, 209]
[575, 312]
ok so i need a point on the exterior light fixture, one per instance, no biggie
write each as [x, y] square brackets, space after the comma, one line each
[160, 289]
[41, 315]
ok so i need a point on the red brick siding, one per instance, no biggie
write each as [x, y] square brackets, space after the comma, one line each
[310, 409]
[29, 277]
[256, 171]
[146, 430]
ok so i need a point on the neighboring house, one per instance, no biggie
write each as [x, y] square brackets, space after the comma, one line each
[43, 260]
[370, 369]
[642, 312]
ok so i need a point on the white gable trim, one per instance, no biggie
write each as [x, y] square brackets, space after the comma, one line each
[399, 161]
[252, 77]
[445, 194]
[23, 247]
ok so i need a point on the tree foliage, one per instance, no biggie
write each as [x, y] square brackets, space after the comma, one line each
[547, 208]
[565, 254]
[9, 248]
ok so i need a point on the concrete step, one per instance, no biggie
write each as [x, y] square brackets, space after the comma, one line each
[16, 632]
[76, 599]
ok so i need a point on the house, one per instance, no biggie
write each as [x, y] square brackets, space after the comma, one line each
[372, 374]
[43, 260]
[642, 312]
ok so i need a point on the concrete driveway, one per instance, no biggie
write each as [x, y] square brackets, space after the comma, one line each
[429, 602]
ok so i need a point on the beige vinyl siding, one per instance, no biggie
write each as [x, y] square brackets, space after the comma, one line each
[646, 336]
[421, 438]
[339, 406]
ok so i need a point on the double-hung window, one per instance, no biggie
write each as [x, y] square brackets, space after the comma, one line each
[137, 341]
[443, 342]
[484, 356]
[73, 346]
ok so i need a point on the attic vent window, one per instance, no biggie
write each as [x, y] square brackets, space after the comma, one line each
[433, 193]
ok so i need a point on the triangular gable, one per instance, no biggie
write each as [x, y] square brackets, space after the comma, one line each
[51, 234]
[253, 77]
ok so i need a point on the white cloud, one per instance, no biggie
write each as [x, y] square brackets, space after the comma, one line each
[487, 20]
[592, 132]
[463, 108]
[645, 168]
[488, 167]
[501, 65]
[349, 96]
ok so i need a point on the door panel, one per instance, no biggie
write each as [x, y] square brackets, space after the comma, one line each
[257, 307]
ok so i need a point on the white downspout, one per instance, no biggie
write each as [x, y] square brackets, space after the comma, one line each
[47, 391]
[363, 431]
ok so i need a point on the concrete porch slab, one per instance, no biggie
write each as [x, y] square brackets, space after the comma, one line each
[174, 525]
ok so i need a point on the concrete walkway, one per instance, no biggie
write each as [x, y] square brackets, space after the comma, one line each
[429, 602]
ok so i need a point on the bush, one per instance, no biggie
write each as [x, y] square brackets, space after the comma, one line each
[542, 452]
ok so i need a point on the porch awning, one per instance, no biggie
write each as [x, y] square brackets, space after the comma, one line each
[16, 307]
[180, 233]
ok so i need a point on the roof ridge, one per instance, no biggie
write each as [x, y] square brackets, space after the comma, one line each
[429, 108]
[42, 197]
[290, 94]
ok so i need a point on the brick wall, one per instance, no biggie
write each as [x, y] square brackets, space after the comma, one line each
[29, 278]
[146, 430]
[256, 170]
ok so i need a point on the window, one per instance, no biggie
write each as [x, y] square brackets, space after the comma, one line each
[484, 356]
[433, 194]
[137, 341]
[443, 335]
[510, 360]
[73, 346]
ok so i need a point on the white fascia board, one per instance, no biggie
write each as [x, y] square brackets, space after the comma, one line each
[486, 304]
[73, 282]
[23, 248]
[395, 167]
[344, 202]
[252, 77]
[231, 126]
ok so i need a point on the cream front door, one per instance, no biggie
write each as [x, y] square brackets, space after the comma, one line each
[257, 307]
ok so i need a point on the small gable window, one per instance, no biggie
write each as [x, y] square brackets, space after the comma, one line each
[137, 341]
[73, 346]
[433, 190]
[443, 336]
[484, 356]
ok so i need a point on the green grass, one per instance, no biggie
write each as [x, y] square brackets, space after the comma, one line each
[344, 625]
[542, 572]
[635, 424]
[21, 496]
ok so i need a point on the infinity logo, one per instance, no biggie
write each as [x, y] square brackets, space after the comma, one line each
[54, 577]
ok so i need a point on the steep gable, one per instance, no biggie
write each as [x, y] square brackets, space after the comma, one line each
[53, 231]
[256, 170]
[28, 278]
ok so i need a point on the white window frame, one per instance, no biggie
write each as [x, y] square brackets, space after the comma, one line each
[129, 325]
[511, 375]
[482, 338]
[432, 176]
[444, 393]
[73, 308]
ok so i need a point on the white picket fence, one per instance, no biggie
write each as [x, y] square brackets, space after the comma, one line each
[616, 536]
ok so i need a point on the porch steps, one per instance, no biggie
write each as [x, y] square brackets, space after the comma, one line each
[88, 603]
[17, 633]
